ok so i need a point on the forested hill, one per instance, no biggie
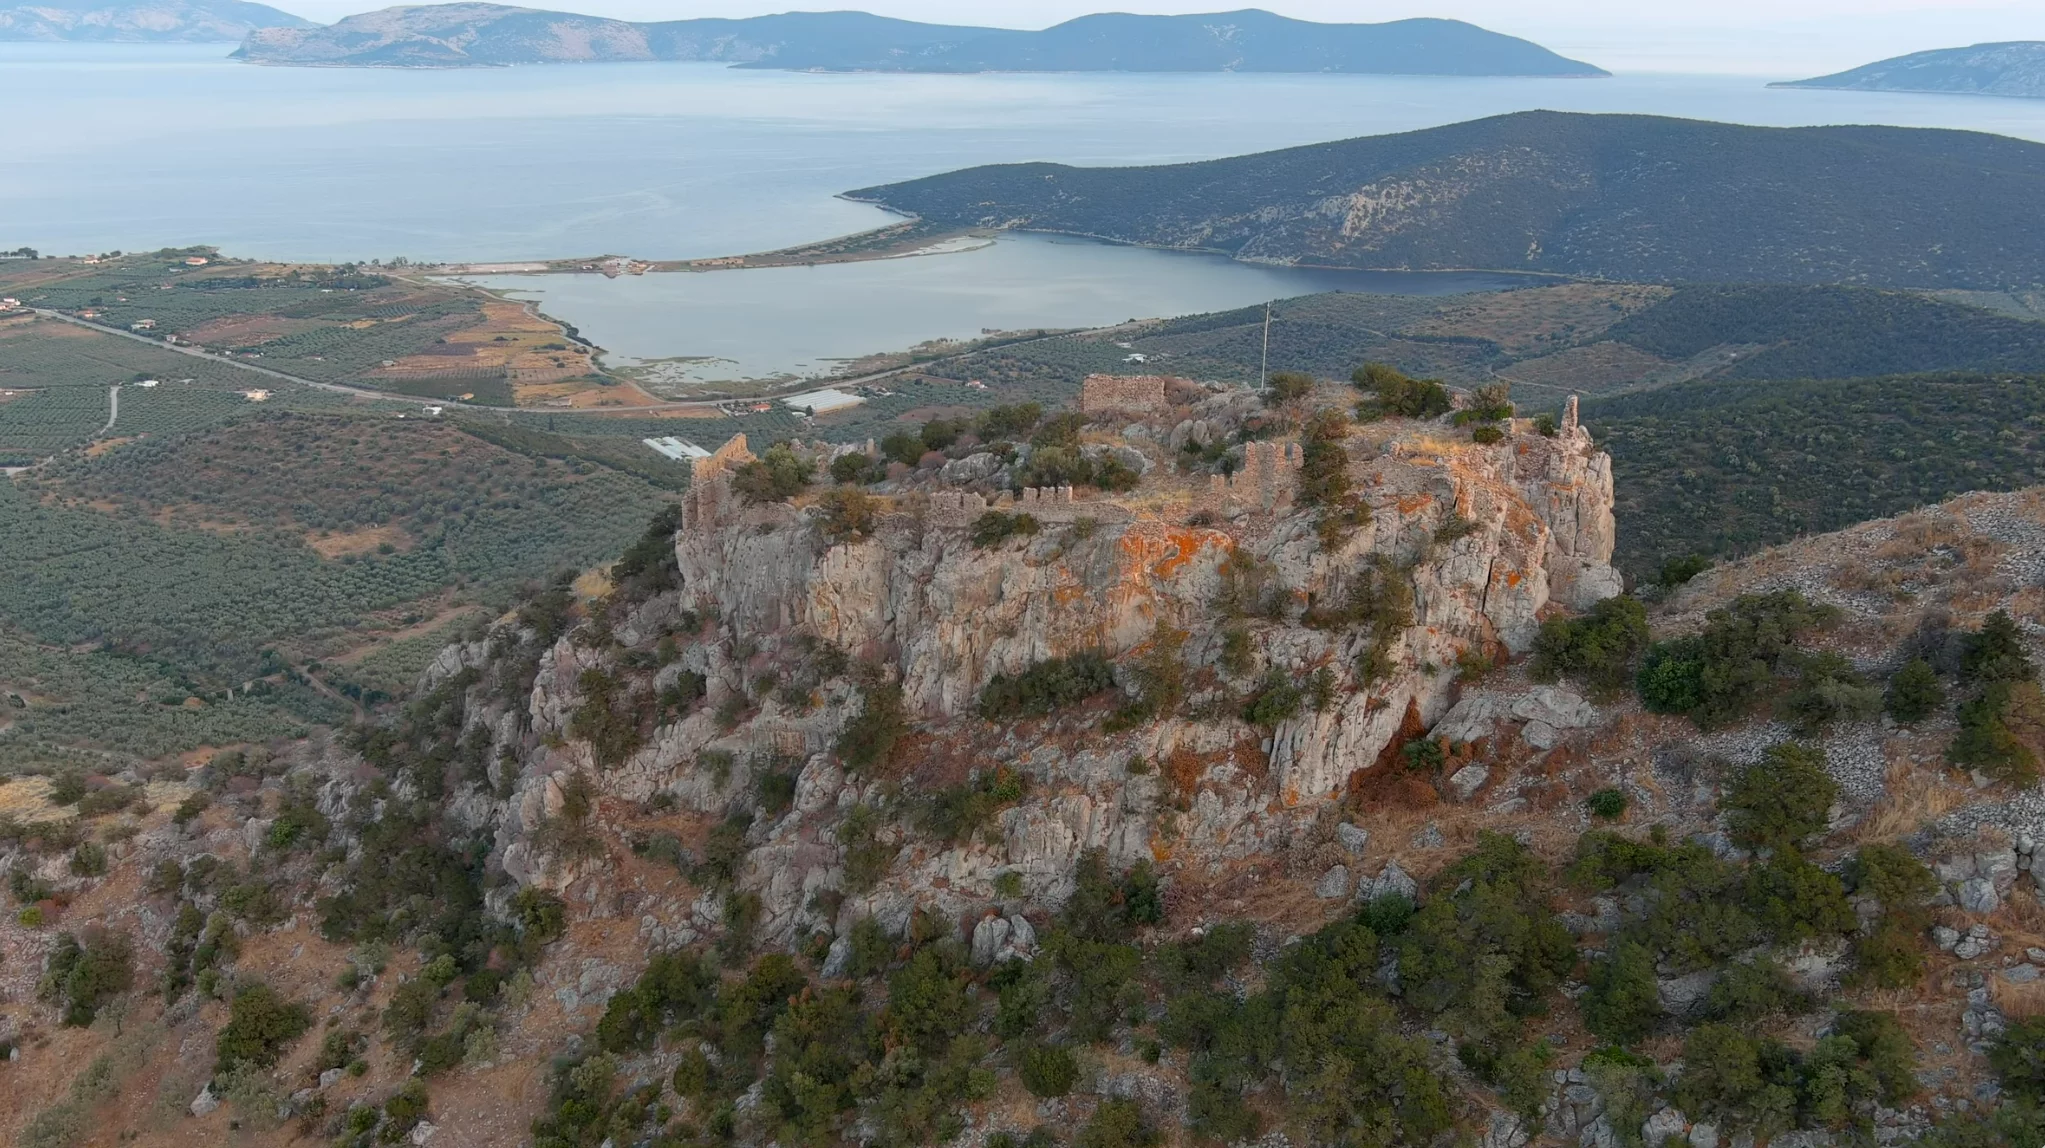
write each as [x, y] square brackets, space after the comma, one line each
[443, 35]
[1640, 198]
[2016, 68]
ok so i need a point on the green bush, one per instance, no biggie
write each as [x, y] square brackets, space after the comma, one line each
[1486, 948]
[1277, 698]
[1598, 649]
[83, 977]
[260, 1023]
[1623, 1004]
[1047, 1070]
[1486, 435]
[1489, 403]
[1047, 686]
[1827, 689]
[1749, 992]
[1117, 1124]
[847, 515]
[1287, 386]
[1914, 692]
[1734, 666]
[1781, 800]
[995, 527]
[956, 812]
[1677, 571]
[1606, 804]
[776, 476]
[1395, 395]
[868, 741]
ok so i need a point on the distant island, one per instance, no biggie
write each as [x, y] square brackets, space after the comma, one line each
[141, 22]
[466, 35]
[2016, 68]
[1639, 198]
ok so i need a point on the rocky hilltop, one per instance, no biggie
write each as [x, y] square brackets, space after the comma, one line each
[2016, 68]
[1198, 766]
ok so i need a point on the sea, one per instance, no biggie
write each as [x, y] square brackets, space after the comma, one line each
[135, 147]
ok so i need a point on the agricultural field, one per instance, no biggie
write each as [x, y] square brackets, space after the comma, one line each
[371, 327]
[1549, 342]
[276, 554]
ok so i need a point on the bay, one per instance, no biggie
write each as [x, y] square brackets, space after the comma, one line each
[139, 146]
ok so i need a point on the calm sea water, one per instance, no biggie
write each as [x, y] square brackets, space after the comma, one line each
[115, 146]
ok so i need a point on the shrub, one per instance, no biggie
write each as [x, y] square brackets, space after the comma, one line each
[83, 978]
[1733, 666]
[1827, 690]
[1288, 386]
[1324, 481]
[867, 856]
[2019, 1060]
[776, 476]
[1914, 692]
[1487, 948]
[868, 741]
[1276, 699]
[1781, 800]
[1489, 403]
[1395, 395]
[1047, 686]
[260, 1023]
[1623, 1003]
[1545, 425]
[1606, 804]
[847, 515]
[1047, 1070]
[856, 469]
[1677, 571]
[995, 527]
[1751, 991]
[956, 812]
[1988, 739]
[1597, 649]
[1487, 435]
[1117, 1124]
[1007, 422]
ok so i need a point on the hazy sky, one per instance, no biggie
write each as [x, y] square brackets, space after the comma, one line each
[1769, 37]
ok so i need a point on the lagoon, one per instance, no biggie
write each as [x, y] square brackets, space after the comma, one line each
[802, 321]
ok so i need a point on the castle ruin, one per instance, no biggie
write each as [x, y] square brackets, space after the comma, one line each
[1126, 394]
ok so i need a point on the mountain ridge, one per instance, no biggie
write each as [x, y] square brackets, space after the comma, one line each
[141, 21]
[1621, 197]
[475, 34]
[2013, 68]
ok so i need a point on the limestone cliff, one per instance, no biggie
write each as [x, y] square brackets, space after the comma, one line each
[1482, 541]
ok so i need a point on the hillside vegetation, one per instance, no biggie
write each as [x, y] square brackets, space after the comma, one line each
[1723, 468]
[2016, 68]
[1638, 198]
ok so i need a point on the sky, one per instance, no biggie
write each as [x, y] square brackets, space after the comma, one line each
[1755, 37]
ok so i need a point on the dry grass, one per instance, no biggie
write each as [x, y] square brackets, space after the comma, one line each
[1913, 797]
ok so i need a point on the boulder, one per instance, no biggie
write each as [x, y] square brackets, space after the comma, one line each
[1662, 1125]
[1352, 837]
[1474, 717]
[970, 469]
[1978, 895]
[205, 1102]
[1393, 880]
[1333, 884]
[1468, 780]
